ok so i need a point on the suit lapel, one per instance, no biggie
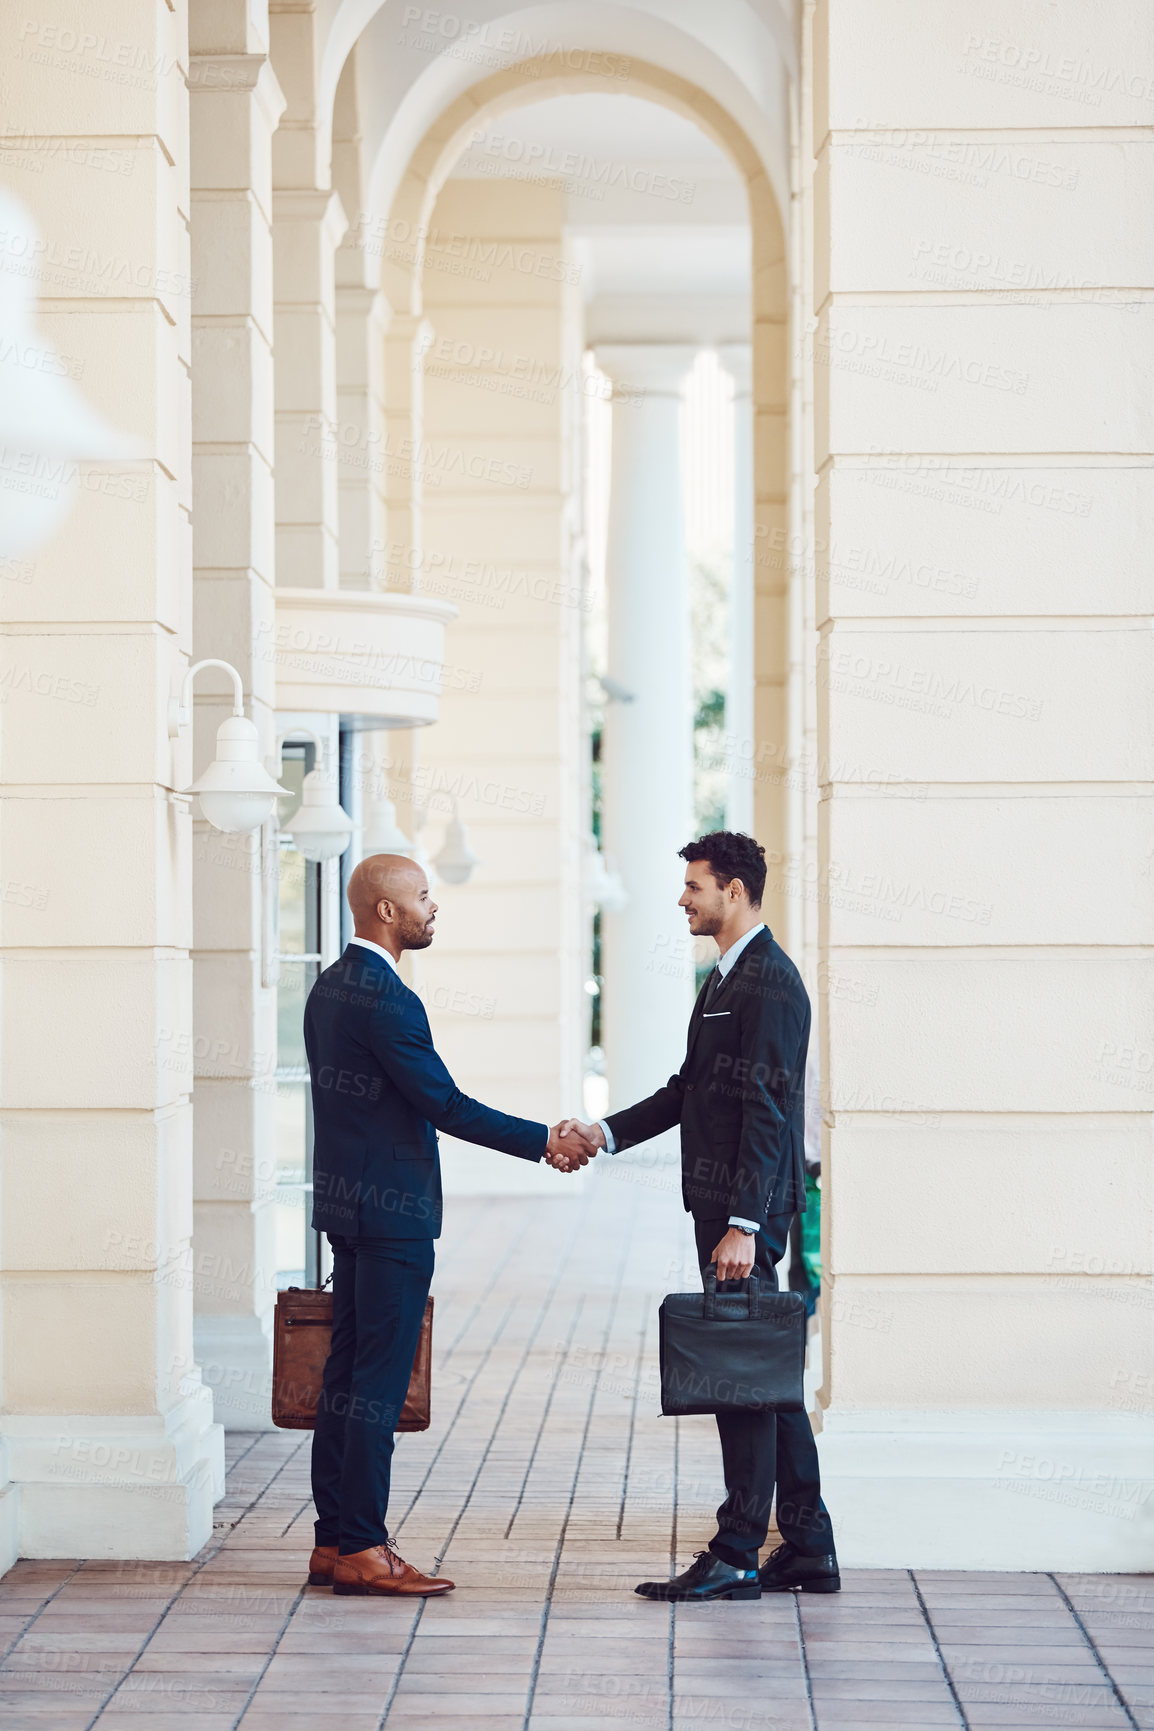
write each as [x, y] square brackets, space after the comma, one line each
[695, 1019]
[753, 947]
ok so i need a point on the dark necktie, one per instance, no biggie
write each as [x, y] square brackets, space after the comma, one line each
[713, 986]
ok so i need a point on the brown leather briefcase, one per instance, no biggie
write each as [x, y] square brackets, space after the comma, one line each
[302, 1332]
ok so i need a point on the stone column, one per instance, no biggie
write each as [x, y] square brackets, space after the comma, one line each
[739, 697]
[987, 742]
[309, 224]
[107, 1426]
[400, 559]
[235, 104]
[362, 324]
[647, 750]
[504, 752]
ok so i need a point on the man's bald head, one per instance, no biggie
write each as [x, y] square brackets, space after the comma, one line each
[390, 903]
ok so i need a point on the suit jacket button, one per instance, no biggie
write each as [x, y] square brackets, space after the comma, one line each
[689, 1086]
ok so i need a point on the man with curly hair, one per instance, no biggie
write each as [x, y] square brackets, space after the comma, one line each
[739, 1099]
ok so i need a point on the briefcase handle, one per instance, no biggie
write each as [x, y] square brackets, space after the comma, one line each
[751, 1284]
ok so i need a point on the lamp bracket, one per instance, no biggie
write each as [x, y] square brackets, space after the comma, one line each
[180, 708]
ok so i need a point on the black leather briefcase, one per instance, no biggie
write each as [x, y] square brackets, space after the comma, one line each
[738, 1351]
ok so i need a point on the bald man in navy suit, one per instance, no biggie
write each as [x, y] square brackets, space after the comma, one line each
[380, 1094]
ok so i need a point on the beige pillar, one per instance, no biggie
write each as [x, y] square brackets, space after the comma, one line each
[309, 222]
[107, 1426]
[985, 309]
[362, 320]
[361, 327]
[774, 745]
[501, 378]
[647, 755]
[235, 105]
[739, 704]
[398, 564]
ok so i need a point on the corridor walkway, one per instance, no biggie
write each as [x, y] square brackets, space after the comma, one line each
[547, 1486]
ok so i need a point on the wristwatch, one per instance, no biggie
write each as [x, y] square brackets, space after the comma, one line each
[746, 1231]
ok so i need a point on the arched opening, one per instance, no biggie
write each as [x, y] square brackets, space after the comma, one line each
[476, 255]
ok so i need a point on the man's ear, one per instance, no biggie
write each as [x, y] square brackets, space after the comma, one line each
[384, 911]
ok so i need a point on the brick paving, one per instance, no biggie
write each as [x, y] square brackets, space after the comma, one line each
[547, 1486]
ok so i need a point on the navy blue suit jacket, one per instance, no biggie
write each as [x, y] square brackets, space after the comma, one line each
[380, 1094]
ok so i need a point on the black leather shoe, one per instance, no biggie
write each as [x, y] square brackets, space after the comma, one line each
[707, 1577]
[786, 1568]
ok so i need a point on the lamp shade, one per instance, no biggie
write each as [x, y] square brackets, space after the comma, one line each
[382, 831]
[321, 829]
[606, 891]
[236, 791]
[456, 861]
[46, 425]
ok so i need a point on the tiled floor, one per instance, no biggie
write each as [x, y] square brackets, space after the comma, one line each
[546, 1488]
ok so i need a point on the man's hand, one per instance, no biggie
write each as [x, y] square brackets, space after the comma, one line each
[575, 1151]
[734, 1255]
[591, 1134]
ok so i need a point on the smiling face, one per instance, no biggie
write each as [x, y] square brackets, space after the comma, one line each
[705, 902]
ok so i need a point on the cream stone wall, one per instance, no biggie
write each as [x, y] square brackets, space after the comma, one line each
[982, 429]
[502, 408]
[107, 1425]
[235, 104]
[951, 709]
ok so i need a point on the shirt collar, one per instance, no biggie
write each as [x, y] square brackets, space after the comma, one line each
[733, 953]
[367, 944]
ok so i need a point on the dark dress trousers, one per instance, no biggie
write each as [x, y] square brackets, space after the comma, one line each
[380, 1093]
[739, 1099]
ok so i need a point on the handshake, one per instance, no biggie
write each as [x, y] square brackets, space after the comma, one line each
[572, 1144]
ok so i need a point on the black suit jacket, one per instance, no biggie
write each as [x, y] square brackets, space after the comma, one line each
[739, 1097]
[380, 1094]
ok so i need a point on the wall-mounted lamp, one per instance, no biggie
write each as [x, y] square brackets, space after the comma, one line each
[606, 890]
[320, 829]
[236, 791]
[383, 832]
[456, 861]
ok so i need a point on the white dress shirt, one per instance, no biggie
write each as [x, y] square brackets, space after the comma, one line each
[378, 950]
[724, 964]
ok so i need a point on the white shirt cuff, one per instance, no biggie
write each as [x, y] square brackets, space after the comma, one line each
[736, 1220]
[610, 1144]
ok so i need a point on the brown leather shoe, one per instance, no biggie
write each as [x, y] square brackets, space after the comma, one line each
[321, 1565]
[380, 1570]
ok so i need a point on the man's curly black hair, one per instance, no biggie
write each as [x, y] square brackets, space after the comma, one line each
[730, 854]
